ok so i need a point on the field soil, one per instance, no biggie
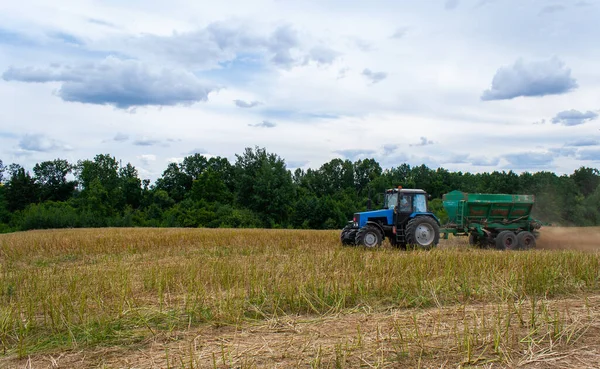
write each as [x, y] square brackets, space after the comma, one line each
[402, 338]
[198, 298]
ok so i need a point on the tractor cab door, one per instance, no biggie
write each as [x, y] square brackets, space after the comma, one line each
[404, 209]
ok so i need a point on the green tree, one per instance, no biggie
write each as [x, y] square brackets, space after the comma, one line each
[264, 185]
[131, 185]
[51, 177]
[586, 180]
[210, 187]
[104, 168]
[365, 171]
[21, 189]
[175, 182]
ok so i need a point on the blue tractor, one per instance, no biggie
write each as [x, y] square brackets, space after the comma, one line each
[404, 220]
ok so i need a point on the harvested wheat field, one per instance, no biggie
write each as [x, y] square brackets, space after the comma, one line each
[219, 298]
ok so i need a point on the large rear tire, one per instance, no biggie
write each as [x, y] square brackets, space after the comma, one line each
[369, 236]
[506, 240]
[526, 240]
[422, 232]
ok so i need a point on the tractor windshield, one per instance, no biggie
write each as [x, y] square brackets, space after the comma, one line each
[420, 203]
[391, 200]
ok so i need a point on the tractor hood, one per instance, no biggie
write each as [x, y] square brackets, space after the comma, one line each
[386, 215]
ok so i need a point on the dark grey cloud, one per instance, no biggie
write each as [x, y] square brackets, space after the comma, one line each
[540, 78]
[120, 137]
[549, 9]
[583, 142]
[7, 134]
[225, 41]
[197, 150]
[66, 38]
[456, 159]
[101, 22]
[146, 142]
[400, 32]
[321, 55]
[244, 104]
[423, 142]
[485, 162]
[120, 83]
[361, 44]
[293, 164]
[264, 124]
[573, 117]
[451, 4]
[483, 3]
[41, 143]
[563, 151]
[374, 76]
[353, 154]
[589, 154]
[389, 149]
[527, 160]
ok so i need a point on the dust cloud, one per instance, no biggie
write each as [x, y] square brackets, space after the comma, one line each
[569, 238]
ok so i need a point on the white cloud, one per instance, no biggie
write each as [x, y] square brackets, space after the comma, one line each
[339, 80]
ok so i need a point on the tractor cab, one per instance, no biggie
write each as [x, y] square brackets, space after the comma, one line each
[404, 219]
[406, 200]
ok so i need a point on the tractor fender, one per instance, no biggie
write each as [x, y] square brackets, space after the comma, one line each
[431, 215]
[378, 225]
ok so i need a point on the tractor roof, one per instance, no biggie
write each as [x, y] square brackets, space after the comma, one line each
[406, 190]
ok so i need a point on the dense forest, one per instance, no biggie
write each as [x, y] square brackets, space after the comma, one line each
[258, 191]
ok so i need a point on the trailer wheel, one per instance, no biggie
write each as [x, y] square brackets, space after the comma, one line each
[526, 240]
[423, 232]
[506, 240]
[476, 240]
[369, 236]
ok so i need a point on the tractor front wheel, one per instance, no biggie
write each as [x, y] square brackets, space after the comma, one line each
[423, 232]
[369, 236]
[348, 235]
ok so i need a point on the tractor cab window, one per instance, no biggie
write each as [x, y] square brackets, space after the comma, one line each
[406, 204]
[391, 200]
[420, 203]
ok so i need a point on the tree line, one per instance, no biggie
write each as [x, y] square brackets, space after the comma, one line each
[257, 190]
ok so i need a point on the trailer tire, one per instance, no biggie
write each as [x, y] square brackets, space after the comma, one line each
[506, 240]
[369, 236]
[422, 232]
[526, 240]
[476, 240]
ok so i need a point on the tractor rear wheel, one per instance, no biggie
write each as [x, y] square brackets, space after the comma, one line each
[422, 232]
[526, 240]
[506, 240]
[369, 236]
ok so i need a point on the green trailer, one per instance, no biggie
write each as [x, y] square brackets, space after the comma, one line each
[498, 220]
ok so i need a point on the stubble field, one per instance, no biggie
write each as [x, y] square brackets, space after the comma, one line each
[218, 298]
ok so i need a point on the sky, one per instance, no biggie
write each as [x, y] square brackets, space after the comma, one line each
[467, 85]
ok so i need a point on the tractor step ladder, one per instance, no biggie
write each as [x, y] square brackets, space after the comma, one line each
[460, 213]
[400, 236]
